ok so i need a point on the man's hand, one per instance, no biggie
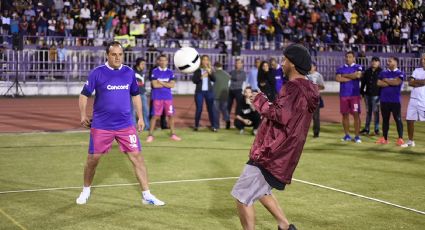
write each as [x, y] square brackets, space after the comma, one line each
[140, 125]
[252, 97]
[85, 122]
[247, 122]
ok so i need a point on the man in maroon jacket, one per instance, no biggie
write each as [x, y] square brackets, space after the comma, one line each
[280, 140]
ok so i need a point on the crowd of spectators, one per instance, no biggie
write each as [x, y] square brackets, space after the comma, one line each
[316, 23]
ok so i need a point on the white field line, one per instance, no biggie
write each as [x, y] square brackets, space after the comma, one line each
[218, 179]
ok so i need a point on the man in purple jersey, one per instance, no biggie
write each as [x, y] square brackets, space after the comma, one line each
[390, 81]
[162, 80]
[114, 84]
[349, 76]
[277, 72]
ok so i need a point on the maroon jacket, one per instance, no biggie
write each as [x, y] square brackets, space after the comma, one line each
[283, 131]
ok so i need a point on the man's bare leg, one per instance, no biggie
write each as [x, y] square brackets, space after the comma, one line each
[246, 215]
[410, 129]
[346, 123]
[356, 124]
[271, 204]
[90, 168]
[140, 170]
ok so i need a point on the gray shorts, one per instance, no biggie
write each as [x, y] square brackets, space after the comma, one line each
[251, 186]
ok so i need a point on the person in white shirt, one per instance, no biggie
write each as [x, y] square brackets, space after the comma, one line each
[85, 13]
[416, 107]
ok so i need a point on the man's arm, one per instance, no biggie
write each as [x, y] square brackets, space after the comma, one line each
[82, 103]
[170, 84]
[393, 82]
[382, 83]
[157, 84]
[416, 83]
[340, 78]
[137, 103]
[352, 76]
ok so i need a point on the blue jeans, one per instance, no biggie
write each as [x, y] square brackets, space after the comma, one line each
[372, 106]
[221, 108]
[145, 110]
[209, 99]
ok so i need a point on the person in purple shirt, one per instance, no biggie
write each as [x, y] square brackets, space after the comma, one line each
[391, 81]
[277, 72]
[162, 80]
[114, 84]
[349, 76]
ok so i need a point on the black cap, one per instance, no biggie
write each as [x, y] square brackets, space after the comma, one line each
[375, 58]
[300, 57]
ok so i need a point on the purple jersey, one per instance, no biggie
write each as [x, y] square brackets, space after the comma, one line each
[391, 93]
[164, 75]
[112, 103]
[349, 88]
[280, 80]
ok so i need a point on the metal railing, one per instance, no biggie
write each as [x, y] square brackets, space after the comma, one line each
[75, 65]
[256, 44]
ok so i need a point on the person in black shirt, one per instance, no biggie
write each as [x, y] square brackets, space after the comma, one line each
[370, 91]
[246, 114]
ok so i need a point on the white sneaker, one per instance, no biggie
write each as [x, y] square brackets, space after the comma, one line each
[152, 200]
[82, 199]
[409, 143]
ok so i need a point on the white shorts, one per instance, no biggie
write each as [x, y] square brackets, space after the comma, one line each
[415, 112]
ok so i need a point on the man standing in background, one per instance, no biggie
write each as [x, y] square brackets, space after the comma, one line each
[139, 68]
[221, 93]
[416, 107]
[390, 81]
[162, 99]
[370, 91]
[277, 72]
[252, 80]
[349, 76]
[237, 78]
[317, 79]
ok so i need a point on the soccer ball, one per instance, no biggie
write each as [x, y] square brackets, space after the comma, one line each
[187, 60]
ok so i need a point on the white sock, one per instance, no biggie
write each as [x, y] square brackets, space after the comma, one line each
[146, 194]
[86, 190]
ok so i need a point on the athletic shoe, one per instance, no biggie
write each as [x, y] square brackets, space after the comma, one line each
[400, 142]
[152, 200]
[214, 130]
[241, 131]
[357, 139]
[409, 143]
[291, 227]
[82, 199]
[174, 137]
[346, 138]
[195, 129]
[254, 132]
[364, 132]
[150, 139]
[376, 132]
[381, 141]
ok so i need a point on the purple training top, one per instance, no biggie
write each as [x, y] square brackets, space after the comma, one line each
[280, 80]
[112, 103]
[164, 75]
[391, 94]
[349, 88]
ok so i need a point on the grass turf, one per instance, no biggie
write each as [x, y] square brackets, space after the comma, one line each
[46, 160]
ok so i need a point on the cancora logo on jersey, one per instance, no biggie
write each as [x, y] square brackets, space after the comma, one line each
[117, 87]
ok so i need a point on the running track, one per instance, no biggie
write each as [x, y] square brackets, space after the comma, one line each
[32, 114]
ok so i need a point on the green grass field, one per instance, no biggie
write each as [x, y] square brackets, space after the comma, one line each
[55, 160]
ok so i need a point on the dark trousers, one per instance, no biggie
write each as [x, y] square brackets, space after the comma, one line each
[372, 107]
[316, 122]
[234, 94]
[386, 110]
[209, 99]
[253, 117]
